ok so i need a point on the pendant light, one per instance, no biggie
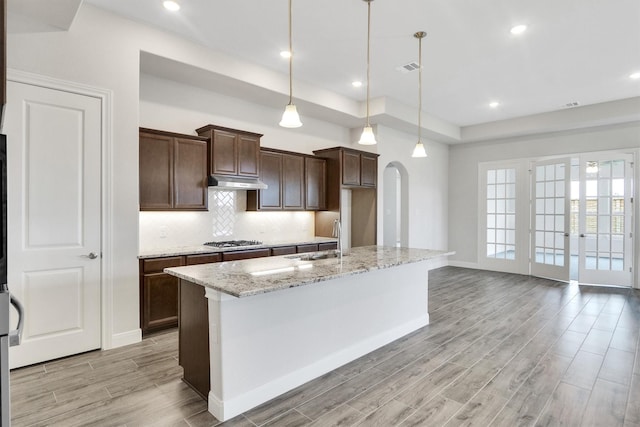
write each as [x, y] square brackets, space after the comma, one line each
[290, 117]
[367, 137]
[418, 150]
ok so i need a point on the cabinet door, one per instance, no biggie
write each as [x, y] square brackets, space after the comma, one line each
[224, 153]
[315, 184]
[190, 174]
[368, 171]
[283, 250]
[156, 172]
[203, 259]
[293, 182]
[246, 254]
[271, 174]
[350, 168]
[327, 246]
[311, 247]
[160, 302]
[248, 155]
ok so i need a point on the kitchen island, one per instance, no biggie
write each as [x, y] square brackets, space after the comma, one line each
[251, 330]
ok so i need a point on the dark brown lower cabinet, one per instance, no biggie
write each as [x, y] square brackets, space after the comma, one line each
[193, 353]
[158, 294]
[283, 250]
[245, 254]
[312, 247]
[327, 246]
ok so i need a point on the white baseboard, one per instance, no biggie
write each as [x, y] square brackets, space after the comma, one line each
[437, 263]
[464, 264]
[125, 338]
[240, 404]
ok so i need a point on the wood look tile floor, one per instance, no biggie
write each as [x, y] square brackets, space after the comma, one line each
[501, 350]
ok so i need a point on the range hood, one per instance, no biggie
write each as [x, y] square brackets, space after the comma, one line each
[228, 182]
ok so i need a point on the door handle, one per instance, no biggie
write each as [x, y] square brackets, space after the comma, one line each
[566, 234]
[91, 255]
[582, 235]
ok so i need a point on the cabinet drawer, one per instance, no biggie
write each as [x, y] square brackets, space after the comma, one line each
[203, 259]
[155, 265]
[307, 248]
[283, 250]
[251, 253]
[327, 246]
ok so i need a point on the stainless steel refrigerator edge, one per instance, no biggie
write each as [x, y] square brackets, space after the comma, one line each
[8, 336]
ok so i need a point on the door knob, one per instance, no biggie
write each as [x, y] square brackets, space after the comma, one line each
[91, 255]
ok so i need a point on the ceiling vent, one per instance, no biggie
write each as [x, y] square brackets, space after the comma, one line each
[571, 104]
[407, 68]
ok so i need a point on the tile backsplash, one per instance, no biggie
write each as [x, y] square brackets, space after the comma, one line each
[227, 219]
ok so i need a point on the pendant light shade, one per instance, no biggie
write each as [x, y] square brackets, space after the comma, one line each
[367, 137]
[290, 117]
[418, 150]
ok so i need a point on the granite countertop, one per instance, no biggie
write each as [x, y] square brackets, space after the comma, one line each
[202, 249]
[261, 275]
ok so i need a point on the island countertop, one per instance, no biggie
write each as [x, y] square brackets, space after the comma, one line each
[260, 275]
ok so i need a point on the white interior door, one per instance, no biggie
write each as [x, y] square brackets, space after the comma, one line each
[54, 210]
[550, 207]
[605, 220]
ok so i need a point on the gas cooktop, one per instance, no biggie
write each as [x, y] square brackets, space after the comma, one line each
[233, 243]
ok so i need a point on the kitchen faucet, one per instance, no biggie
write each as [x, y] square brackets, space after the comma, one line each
[337, 233]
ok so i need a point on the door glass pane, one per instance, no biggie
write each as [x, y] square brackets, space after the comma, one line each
[605, 215]
[501, 210]
[550, 183]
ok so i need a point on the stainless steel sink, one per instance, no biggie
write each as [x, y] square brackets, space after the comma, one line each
[312, 256]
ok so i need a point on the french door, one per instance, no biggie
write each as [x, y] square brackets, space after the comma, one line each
[605, 219]
[550, 207]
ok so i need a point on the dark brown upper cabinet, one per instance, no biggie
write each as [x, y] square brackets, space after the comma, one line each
[315, 170]
[295, 182]
[173, 171]
[231, 151]
[368, 169]
[271, 164]
[352, 168]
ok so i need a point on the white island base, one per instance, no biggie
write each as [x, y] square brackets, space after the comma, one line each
[267, 344]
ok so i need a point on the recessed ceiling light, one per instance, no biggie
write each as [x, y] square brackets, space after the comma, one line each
[518, 29]
[634, 76]
[171, 5]
[357, 83]
[494, 104]
[285, 54]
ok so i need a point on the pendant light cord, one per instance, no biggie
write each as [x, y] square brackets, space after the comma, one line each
[290, 56]
[420, 89]
[368, 54]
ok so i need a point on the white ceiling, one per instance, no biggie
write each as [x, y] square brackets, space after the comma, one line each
[573, 50]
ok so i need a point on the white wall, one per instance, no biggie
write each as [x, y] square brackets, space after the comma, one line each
[463, 173]
[103, 50]
[428, 187]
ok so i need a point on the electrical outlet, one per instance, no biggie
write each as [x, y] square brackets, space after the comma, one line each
[164, 230]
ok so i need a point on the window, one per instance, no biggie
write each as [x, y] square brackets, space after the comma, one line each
[501, 213]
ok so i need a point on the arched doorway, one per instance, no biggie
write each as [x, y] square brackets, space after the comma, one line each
[395, 205]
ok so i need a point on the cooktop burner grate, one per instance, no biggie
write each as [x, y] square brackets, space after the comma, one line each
[233, 243]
